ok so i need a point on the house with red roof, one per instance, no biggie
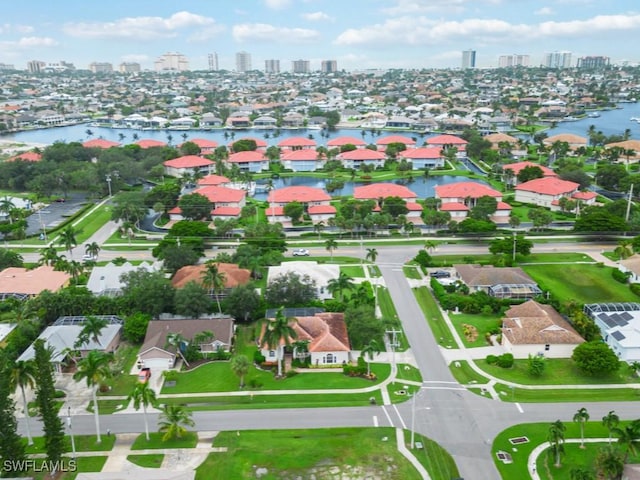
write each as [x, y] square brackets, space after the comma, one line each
[377, 191]
[423, 157]
[226, 203]
[512, 178]
[207, 147]
[188, 164]
[383, 142]
[339, 142]
[362, 156]
[547, 192]
[249, 161]
[100, 143]
[316, 203]
[238, 122]
[261, 145]
[446, 141]
[150, 143]
[296, 143]
[213, 180]
[307, 160]
[460, 197]
[26, 157]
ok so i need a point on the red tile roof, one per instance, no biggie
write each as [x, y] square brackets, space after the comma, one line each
[300, 194]
[233, 275]
[221, 194]
[204, 143]
[464, 190]
[297, 142]
[100, 143]
[453, 207]
[26, 157]
[584, 195]
[326, 332]
[188, 161]
[414, 207]
[226, 211]
[149, 142]
[548, 186]
[382, 190]
[516, 167]
[274, 211]
[32, 282]
[246, 157]
[321, 209]
[213, 180]
[503, 206]
[362, 154]
[340, 141]
[446, 140]
[300, 155]
[396, 139]
[423, 152]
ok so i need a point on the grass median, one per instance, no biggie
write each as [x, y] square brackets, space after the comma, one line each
[432, 313]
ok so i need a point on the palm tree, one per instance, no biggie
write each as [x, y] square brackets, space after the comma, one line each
[581, 416]
[171, 421]
[240, 367]
[6, 206]
[370, 350]
[278, 333]
[635, 366]
[609, 463]
[94, 368]
[92, 249]
[610, 421]
[340, 284]
[213, 280]
[144, 395]
[624, 249]
[556, 439]
[318, 228]
[581, 473]
[628, 438]
[48, 256]
[23, 375]
[331, 245]
[91, 329]
[68, 238]
[75, 269]
[372, 254]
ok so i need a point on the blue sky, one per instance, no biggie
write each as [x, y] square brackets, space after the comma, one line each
[357, 33]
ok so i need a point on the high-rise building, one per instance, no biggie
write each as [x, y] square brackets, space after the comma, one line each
[272, 66]
[513, 61]
[557, 60]
[243, 62]
[129, 67]
[172, 62]
[468, 59]
[329, 66]
[7, 66]
[101, 67]
[213, 61]
[593, 62]
[300, 66]
[36, 66]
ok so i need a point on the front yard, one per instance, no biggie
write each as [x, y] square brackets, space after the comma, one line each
[474, 329]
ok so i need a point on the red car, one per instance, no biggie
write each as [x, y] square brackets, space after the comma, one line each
[144, 375]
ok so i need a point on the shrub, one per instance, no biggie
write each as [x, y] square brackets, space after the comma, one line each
[635, 288]
[290, 373]
[536, 365]
[423, 258]
[254, 383]
[619, 276]
[491, 359]
[170, 375]
[258, 357]
[505, 360]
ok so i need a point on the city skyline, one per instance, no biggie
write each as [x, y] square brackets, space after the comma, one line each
[358, 34]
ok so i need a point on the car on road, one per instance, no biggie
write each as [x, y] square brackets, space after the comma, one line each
[440, 274]
[301, 252]
[144, 375]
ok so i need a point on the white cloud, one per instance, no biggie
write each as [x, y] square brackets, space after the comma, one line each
[277, 4]
[26, 43]
[317, 17]
[9, 28]
[408, 7]
[264, 32]
[140, 28]
[544, 11]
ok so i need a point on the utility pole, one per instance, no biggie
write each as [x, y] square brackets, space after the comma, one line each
[393, 344]
[73, 442]
[514, 248]
[626, 217]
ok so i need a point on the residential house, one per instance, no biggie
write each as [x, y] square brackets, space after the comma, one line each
[296, 143]
[511, 171]
[213, 180]
[362, 156]
[631, 266]
[157, 351]
[340, 142]
[63, 335]
[307, 160]
[320, 273]
[619, 325]
[207, 147]
[316, 203]
[149, 143]
[209, 120]
[377, 191]
[261, 145]
[106, 280]
[424, 157]
[265, 122]
[574, 141]
[225, 202]
[238, 122]
[100, 143]
[26, 157]
[547, 192]
[459, 198]
[533, 329]
[234, 276]
[384, 142]
[449, 141]
[293, 120]
[249, 161]
[187, 165]
[499, 282]
[22, 283]
[326, 334]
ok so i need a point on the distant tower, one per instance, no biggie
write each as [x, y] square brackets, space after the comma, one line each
[515, 60]
[329, 66]
[213, 61]
[468, 59]
[129, 67]
[243, 62]
[300, 66]
[593, 62]
[172, 62]
[272, 66]
[557, 60]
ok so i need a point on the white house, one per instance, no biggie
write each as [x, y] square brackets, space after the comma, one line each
[619, 325]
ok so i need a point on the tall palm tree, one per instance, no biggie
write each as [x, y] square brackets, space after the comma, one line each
[68, 238]
[214, 280]
[556, 439]
[48, 256]
[144, 395]
[94, 368]
[628, 438]
[319, 227]
[624, 249]
[92, 249]
[23, 375]
[171, 421]
[340, 284]
[330, 244]
[609, 463]
[240, 367]
[91, 329]
[278, 333]
[610, 421]
[6, 205]
[74, 268]
[430, 246]
[372, 254]
[370, 350]
[581, 416]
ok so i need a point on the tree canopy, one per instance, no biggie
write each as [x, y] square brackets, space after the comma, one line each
[595, 359]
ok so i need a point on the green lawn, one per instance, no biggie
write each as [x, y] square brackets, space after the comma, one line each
[374, 271]
[478, 327]
[107, 407]
[153, 460]
[189, 440]
[353, 271]
[465, 374]
[390, 315]
[123, 384]
[433, 457]
[82, 464]
[434, 317]
[257, 402]
[582, 283]
[567, 395]
[218, 377]
[408, 372]
[560, 257]
[372, 450]
[84, 443]
[412, 272]
[325, 259]
[91, 223]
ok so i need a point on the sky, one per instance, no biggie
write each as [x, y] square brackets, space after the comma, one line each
[358, 34]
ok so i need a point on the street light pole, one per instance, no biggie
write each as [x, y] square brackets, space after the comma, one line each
[108, 177]
[73, 442]
[413, 418]
[514, 248]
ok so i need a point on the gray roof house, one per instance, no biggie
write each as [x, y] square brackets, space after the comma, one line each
[106, 280]
[499, 282]
[619, 325]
